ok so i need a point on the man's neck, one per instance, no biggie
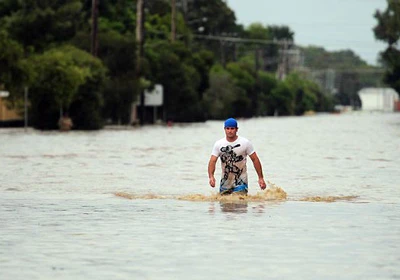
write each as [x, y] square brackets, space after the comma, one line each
[232, 139]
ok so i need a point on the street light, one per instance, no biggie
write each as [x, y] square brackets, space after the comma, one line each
[203, 19]
[201, 28]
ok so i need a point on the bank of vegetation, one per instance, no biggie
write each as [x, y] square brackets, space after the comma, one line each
[210, 66]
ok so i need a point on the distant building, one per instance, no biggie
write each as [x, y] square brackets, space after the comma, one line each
[379, 99]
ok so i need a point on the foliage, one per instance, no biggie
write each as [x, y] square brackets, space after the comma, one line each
[222, 95]
[295, 96]
[258, 31]
[220, 18]
[281, 32]
[265, 55]
[266, 82]
[319, 58]
[14, 71]
[159, 27]
[170, 64]
[116, 15]
[203, 60]
[388, 30]
[60, 73]
[388, 27]
[281, 100]
[41, 24]
[343, 70]
[117, 53]
[348, 90]
[391, 56]
[86, 107]
[45, 45]
[216, 18]
[243, 76]
[303, 93]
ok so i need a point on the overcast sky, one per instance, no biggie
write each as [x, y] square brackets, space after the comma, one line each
[331, 24]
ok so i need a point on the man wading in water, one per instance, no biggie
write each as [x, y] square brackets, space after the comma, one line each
[233, 151]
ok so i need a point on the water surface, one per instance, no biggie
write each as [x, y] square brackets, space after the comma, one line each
[135, 203]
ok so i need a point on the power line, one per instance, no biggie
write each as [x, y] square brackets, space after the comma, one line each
[242, 40]
[353, 70]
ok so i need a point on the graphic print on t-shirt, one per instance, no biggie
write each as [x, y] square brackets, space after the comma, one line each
[229, 158]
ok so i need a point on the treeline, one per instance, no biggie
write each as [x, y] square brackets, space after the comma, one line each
[46, 46]
[387, 30]
[342, 73]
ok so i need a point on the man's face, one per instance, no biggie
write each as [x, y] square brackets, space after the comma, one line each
[230, 132]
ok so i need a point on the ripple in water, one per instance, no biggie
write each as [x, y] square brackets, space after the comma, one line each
[273, 193]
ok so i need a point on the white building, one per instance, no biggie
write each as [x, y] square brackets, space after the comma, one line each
[378, 99]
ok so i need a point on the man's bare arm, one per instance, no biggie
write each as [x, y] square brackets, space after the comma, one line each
[258, 168]
[211, 170]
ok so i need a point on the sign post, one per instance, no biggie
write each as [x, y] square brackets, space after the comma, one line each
[154, 98]
[26, 108]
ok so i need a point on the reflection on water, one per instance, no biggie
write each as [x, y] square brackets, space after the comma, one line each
[135, 203]
[234, 207]
[329, 198]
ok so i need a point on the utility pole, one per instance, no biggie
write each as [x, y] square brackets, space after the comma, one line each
[95, 14]
[288, 55]
[173, 20]
[185, 9]
[140, 53]
[222, 52]
[282, 66]
[257, 59]
[235, 52]
[26, 108]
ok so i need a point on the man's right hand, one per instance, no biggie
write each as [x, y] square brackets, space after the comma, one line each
[212, 181]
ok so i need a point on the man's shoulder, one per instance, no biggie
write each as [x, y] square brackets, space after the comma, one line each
[243, 139]
[220, 141]
[246, 143]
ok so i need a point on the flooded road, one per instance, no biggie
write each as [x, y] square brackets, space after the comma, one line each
[135, 203]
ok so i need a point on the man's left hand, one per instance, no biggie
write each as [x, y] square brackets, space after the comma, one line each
[262, 183]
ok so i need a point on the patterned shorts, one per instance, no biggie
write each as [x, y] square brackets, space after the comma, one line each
[241, 189]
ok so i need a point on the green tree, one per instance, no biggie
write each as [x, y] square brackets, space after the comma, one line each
[243, 75]
[216, 18]
[266, 82]
[172, 66]
[87, 105]
[203, 60]
[281, 100]
[15, 72]
[258, 31]
[266, 55]
[344, 70]
[41, 23]
[325, 102]
[60, 75]
[319, 58]
[117, 15]
[221, 19]
[281, 32]
[117, 53]
[348, 90]
[223, 98]
[388, 30]
[303, 93]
